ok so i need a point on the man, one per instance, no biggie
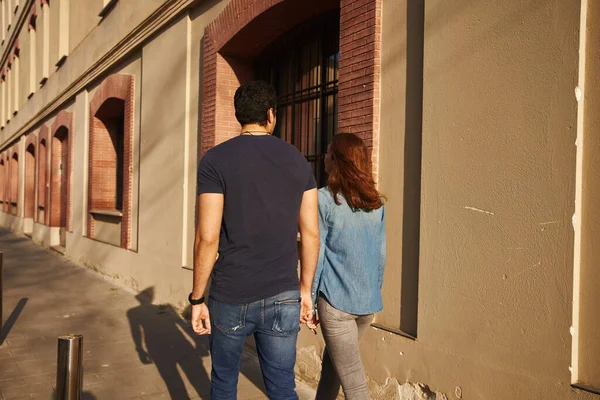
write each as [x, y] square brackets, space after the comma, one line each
[255, 193]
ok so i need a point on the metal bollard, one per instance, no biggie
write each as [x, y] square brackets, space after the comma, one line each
[69, 375]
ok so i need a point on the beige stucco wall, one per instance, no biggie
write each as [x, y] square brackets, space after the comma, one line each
[498, 189]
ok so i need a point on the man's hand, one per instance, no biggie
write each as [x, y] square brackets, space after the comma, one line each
[306, 309]
[201, 320]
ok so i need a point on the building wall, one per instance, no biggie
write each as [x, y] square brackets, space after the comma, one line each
[474, 144]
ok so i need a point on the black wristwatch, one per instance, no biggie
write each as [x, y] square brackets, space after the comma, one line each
[195, 302]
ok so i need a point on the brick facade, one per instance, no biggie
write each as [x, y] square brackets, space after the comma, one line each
[359, 75]
[30, 175]
[43, 176]
[60, 204]
[246, 27]
[102, 190]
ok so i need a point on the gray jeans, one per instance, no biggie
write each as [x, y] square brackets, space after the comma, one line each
[341, 359]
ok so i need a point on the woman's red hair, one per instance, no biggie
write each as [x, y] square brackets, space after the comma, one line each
[351, 173]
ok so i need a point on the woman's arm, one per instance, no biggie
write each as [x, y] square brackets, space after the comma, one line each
[324, 230]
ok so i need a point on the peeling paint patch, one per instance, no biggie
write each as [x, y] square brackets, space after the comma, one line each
[308, 365]
[479, 210]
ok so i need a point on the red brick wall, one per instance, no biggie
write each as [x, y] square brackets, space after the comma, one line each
[102, 161]
[43, 173]
[30, 167]
[359, 75]
[62, 149]
[104, 173]
[245, 27]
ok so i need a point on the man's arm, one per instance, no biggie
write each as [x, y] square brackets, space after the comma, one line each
[206, 244]
[308, 224]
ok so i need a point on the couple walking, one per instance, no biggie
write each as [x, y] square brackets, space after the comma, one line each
[255, 193]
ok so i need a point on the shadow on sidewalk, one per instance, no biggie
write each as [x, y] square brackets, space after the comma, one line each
[12, 319]
[162, 341]
[166, 341]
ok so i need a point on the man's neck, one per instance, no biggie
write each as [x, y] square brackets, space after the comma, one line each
[254, 129]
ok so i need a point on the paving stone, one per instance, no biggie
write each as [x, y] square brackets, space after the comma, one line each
[12, 382]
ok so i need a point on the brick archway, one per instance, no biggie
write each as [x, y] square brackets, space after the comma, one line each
[43, 176]
[31, 158]
[61, 159]
[119, 87]
[246, 27]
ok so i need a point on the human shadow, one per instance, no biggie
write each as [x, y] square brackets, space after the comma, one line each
[12, 319]
[163, 338]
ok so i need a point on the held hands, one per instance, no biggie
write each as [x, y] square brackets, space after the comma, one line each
[307, 315]
[201, 320]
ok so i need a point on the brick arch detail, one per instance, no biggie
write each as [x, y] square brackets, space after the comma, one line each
[63, 119]
[30, 173]
[31, 139]
[226, 65]
[43, 182]
[117, 86]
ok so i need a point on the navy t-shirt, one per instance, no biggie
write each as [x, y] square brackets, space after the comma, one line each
[263, 180]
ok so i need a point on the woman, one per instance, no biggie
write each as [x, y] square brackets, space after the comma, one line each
[350, 270]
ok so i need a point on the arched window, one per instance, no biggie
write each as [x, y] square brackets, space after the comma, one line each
[42, 181]
[59, 206]
[111, 155]
[109, 125]
[30, 181]
[14, 183]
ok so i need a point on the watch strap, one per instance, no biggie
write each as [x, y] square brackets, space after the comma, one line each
[195, 302]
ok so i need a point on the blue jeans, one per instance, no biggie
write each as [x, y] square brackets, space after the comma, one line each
[275, 323]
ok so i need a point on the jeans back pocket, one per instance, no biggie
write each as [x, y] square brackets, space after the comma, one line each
[287, 316]
[229, 318]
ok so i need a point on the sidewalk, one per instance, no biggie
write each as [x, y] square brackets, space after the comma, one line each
[45, 296]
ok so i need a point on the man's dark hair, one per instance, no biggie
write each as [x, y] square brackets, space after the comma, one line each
[252, 102]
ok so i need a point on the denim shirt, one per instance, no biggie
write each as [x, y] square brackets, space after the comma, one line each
[352, 256]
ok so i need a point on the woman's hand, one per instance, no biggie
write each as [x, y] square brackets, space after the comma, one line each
[312, 324]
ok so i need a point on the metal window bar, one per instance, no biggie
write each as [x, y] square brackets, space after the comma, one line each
[306, 80]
